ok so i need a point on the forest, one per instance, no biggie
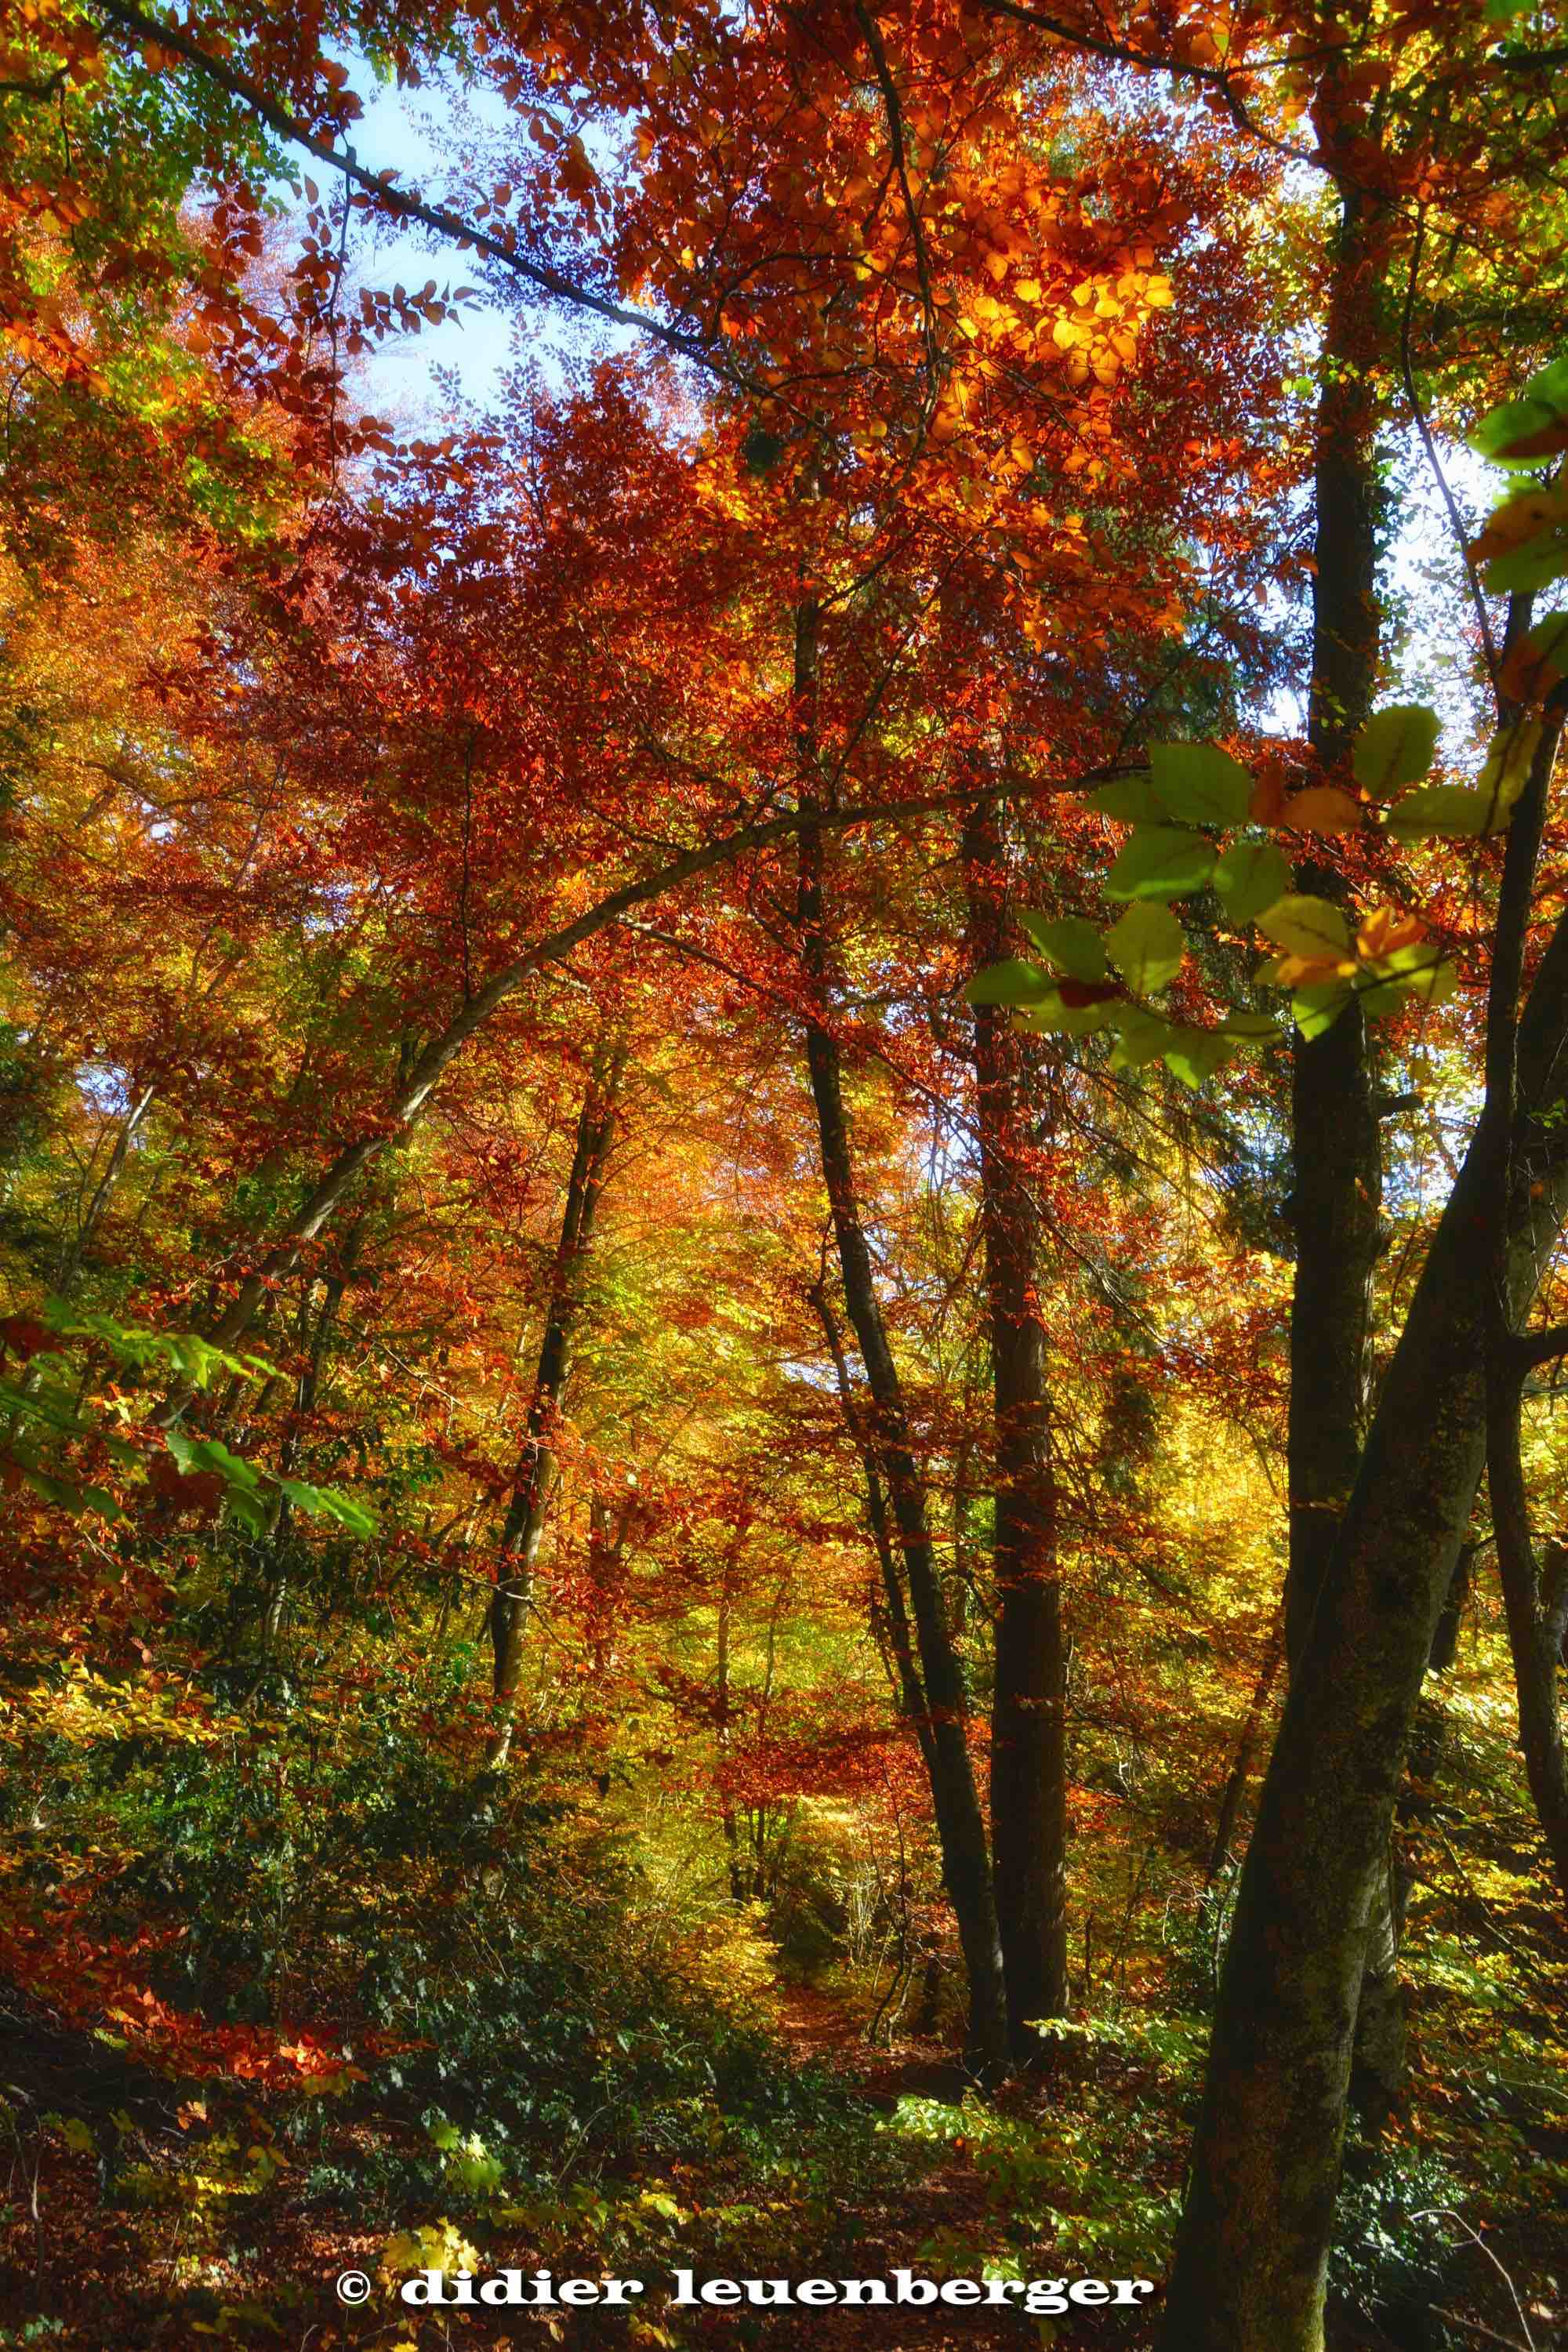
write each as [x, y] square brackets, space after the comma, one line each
[783, 1153]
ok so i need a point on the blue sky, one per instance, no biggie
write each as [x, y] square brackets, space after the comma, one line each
[414, 132]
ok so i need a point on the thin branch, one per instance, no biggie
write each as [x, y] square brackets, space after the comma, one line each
[1434, 461]
[402, 203]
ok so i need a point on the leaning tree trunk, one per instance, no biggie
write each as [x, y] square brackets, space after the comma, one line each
[534, 1479]
[1252, 2253]
[1028, 1711]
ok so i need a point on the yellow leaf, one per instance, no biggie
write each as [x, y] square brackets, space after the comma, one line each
[1322, 808]
[1305, 925]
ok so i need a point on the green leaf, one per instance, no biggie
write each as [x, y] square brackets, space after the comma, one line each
[59, 1491]
[1395, 746]
[1052, 1017]
[1251, 874]
[1534, 565]
[207, 1454]
[1200, 783]
[1131, 800]
[1198, 1054]
[1070, 942]
[1550, 384]
[1253, 1027]
[1549, 640]
[1140, 1037]
[1514, 433]
[1303, 925]
[1147, 947]
[1160, 862]
[1417, 970]
[1503, 12]
[1317, 1008]
[327, 1502]
[1445, 811]
[1505, 771]
[1388, 995]
[1012, 982]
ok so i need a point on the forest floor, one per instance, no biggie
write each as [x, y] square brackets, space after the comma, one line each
[179, 2265]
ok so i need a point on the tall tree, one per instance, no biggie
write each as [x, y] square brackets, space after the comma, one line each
[533, 1480]
[1028, 1717]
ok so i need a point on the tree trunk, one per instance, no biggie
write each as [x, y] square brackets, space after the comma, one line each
[1252, 2253]
[1337, 1172]
[1246, 1749]
[894, 1617]
[307, 1390]
[74, 1252]
[534, 1480]
[1445, 1640]
[1336, 1143]
[1535, 1596]
[960, 1821]
[1028, 1713]
[961, 1824]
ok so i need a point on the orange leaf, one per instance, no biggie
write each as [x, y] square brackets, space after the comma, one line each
[1322, 808]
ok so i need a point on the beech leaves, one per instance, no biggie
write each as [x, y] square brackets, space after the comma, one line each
[1312, 946]
[1395, 747]
[1525, 543]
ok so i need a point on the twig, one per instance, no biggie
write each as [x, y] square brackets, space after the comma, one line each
[1446, 2213]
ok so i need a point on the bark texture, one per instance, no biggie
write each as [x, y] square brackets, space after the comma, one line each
[1337, 1147]
[1252, 2253]
[1028, 1712]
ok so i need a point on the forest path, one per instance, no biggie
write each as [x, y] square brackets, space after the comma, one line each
[819, 2028]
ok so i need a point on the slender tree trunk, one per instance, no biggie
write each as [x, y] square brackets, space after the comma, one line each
[895, 1616]
[1252, 2253]
[70, 1270]
[960, 1821]
[1445, 1640]
[1535, 1596]
[534, 1480]
[1337, 1147]
[1245, 1750]
[738, 1887]
[1337, 1172]
[307, 1390]
[1028, 1713]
